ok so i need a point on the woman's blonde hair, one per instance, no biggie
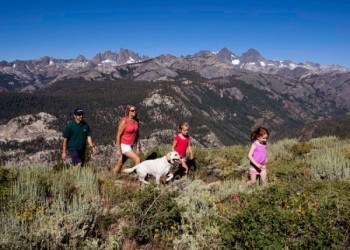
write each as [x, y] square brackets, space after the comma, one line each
[127, 109]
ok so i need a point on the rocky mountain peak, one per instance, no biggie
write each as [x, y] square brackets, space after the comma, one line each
[166, 59]
[80, 58]
[204, 53]
[44, 61]
[252, 56]
[4, 64]
[21, 66]
[104, 56]
[127, 56]
[226, 55]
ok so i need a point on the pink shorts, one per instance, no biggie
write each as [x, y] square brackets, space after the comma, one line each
[252, 170]
[183, 159]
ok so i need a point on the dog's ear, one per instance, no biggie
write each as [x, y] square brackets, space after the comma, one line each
[168, 156]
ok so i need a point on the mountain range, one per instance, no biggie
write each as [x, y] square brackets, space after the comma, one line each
[35, 74]
[223, 96]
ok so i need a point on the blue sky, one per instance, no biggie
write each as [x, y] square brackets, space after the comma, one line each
[315, 30]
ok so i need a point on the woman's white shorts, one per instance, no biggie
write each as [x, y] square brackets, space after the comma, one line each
[125, 148]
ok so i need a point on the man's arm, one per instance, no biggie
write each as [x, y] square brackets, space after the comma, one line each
[64, 149]
[91, 144]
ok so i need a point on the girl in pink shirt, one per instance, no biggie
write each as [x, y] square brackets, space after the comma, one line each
[181, 144]
[258, 155]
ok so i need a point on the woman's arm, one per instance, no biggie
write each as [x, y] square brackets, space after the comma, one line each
[121, 128]
[138, 143]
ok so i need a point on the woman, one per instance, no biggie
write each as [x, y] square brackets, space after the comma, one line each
[128, 141]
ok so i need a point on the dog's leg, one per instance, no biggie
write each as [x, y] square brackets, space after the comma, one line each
[144, 181]
[158, 179]
[142, 176]
[170, 176]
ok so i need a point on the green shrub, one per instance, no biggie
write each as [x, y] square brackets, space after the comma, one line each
[281, 149]
[7, 176]
[301, 149]
[289, 216]
[331, 163]
[200, 219]
[218, 164]
[153, 215]
[50, 209]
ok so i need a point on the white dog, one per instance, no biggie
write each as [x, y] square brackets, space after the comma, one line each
[157, 167]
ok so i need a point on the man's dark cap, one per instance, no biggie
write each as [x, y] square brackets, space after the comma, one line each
[78, 111]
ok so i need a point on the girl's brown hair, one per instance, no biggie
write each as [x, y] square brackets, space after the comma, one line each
[260, 131]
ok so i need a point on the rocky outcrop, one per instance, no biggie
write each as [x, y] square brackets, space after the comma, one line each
[30, 127]
[30, 138]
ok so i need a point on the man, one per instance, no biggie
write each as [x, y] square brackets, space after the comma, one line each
[75, 135]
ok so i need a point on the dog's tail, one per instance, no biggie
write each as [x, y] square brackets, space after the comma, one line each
[130, 170]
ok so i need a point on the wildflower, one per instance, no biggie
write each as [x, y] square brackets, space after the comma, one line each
[306, 173]
[235, 197]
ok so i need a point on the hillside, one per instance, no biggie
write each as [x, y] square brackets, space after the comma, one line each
[221, 111]
[305, 205]
[336, 126]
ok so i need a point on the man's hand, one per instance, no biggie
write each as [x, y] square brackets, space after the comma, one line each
[94, 150]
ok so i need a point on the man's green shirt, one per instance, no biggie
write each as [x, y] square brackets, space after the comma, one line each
[77, 134]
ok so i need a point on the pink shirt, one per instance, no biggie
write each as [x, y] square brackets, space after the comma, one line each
[260, 153]
[130, 132]
[181, 145]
